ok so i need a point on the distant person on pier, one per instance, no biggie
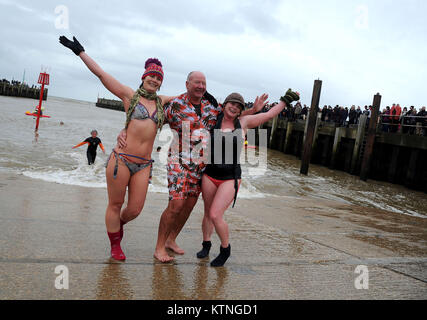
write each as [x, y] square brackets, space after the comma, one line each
[412, 121]
[93, 141]
[395, 112]
[367, 113]
[421, 122]
[329, 114]
[304, 112]
[343, 114]
[385, 119]
[405, 120]
[359, 112]
[324, 111]
[298, 110]
[352, 115]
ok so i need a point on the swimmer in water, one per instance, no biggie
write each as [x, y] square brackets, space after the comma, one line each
[93, 141]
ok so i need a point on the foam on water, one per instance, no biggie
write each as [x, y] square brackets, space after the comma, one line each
[82, 175]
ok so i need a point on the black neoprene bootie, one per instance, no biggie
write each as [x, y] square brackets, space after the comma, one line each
[205, 251]
[224, 253]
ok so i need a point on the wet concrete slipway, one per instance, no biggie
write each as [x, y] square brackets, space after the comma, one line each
[287, 247]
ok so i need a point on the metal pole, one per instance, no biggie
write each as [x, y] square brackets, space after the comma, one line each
[39, 107]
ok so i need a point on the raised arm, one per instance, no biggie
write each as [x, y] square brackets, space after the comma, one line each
[115, 87]
[253, 121]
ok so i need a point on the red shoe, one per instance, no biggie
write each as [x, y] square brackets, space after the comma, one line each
[117, 253]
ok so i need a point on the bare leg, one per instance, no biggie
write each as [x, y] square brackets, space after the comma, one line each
[116, 194]
[207, 227]
[167, 221]
[137, 192]
[208, 193]
[180, 221]
[223, 198]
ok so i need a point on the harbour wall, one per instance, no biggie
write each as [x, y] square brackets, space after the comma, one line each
[22, 91]
[110, 104]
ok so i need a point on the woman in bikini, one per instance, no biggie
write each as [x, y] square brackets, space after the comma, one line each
[129, 167]
[222, 176]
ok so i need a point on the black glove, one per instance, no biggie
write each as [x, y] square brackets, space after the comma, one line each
[289, 97]
[211, 99]
[75, 46]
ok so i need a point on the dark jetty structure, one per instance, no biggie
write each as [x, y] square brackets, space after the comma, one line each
[110, 104]
[18, 89]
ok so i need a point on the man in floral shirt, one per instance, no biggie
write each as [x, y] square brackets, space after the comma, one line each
[191, 115]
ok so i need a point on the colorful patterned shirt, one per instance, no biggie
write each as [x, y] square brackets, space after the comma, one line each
[191, 133]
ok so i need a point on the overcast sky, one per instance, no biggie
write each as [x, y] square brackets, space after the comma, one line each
[357, 48]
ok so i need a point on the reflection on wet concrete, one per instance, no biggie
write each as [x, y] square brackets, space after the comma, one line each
[113, 284]
[207, 283]
[209, 288]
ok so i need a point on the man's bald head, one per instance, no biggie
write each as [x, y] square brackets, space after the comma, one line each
[196, 86]
[195, 73]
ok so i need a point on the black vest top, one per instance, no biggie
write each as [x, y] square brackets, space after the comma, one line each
[226, 164]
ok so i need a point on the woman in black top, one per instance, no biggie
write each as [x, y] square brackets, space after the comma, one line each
[222, 176]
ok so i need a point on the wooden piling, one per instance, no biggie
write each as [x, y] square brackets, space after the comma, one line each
[358, 141]
[282, 125]
[305, 130]
[316, 129]
[412, 168]
[308, 143]
[335, 148]
[273, 131]
[289, 129]
[370, 140]
[393, 164]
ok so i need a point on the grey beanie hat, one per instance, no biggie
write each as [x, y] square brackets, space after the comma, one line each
[235, 97]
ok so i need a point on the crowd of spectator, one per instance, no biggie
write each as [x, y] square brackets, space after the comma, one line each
[392, 119]
[396, 119]
[16, 83]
